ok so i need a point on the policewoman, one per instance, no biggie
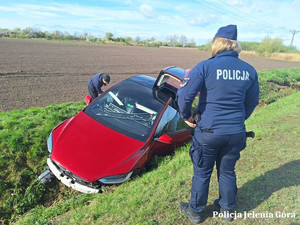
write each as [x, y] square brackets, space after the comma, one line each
[229, 93]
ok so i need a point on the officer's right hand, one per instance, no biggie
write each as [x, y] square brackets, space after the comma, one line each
[190, 122]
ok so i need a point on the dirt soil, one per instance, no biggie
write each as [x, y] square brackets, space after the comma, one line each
[40, 72]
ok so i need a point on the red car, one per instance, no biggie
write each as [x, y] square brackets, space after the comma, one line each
[118, 133]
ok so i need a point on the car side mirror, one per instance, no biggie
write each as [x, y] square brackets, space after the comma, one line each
[88, 99]
[164, 139]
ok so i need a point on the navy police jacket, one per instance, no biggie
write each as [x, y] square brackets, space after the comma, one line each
[96, 82]
[229, 93]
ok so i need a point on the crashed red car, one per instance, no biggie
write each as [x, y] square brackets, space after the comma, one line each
[117, 133]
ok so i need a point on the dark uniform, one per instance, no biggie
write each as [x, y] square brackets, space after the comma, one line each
[95, 84]
[229, 93]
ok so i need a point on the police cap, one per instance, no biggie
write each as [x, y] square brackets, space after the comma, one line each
[229, 32]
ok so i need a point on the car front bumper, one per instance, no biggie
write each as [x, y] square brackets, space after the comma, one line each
[69, 181]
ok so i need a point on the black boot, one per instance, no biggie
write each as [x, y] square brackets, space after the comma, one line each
[185, 209]
[226, 213]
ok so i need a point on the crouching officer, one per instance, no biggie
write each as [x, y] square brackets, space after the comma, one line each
[229, 93]
[96, 82]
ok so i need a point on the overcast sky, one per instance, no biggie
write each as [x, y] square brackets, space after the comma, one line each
[195, 19]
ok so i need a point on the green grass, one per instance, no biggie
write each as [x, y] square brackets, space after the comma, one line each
[286, 76]
[267, 178]
[23, 139]
[23, 135]
[275, 84]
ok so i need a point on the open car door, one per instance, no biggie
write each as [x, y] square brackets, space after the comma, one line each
[171, 75]
[168, 81]
[169, 131]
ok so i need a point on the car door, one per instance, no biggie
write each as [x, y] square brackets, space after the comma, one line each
[171, 131]
[171, 75]
[175, 132]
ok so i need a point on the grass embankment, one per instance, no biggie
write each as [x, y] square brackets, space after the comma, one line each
[151, 198]
[275, 84]
[23, 135]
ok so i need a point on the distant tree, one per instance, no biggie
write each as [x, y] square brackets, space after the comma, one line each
[118, 39]
[4, 32]
[108, 36]
[183, 40]
[28, 33]
[172, 39]
[249, 46]
[76, 34]
[68, 36]
[90, 38]
[270, 45]
[177, 44]
[16, 33]
[191, 43]
[18, 30]
[56, 35]
[128, 41]
[137, 39]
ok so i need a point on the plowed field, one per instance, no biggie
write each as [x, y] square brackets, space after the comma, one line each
[40, 72]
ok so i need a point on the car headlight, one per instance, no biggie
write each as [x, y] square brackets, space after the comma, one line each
[116, 179]
[49, 143]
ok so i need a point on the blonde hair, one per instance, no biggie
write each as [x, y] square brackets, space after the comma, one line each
[223, 44]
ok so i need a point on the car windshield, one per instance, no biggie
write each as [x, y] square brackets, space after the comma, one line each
[128, 108]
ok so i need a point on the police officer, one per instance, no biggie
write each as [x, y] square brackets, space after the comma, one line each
[96, 82]
[229, 93]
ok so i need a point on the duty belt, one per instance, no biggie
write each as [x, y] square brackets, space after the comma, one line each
[248, 133]
[207, 131]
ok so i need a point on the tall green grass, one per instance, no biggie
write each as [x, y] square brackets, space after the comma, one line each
[23, 135]
[23, 138]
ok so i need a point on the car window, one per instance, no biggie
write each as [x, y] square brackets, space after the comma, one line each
[174, 82]
[129, 108]
[170, 122]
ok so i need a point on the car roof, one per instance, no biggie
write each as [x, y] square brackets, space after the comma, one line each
[143, 80]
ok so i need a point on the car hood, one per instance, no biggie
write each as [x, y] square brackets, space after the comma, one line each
[91, 150]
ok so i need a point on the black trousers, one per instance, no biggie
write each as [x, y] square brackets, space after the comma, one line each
[207, 149]
[93, 92]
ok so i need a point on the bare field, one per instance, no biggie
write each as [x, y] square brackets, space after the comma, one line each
[40, 72]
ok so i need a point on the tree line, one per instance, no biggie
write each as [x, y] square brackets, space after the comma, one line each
[268, 45]
[29, 32]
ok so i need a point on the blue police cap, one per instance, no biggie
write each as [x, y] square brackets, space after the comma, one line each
[229, 32]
